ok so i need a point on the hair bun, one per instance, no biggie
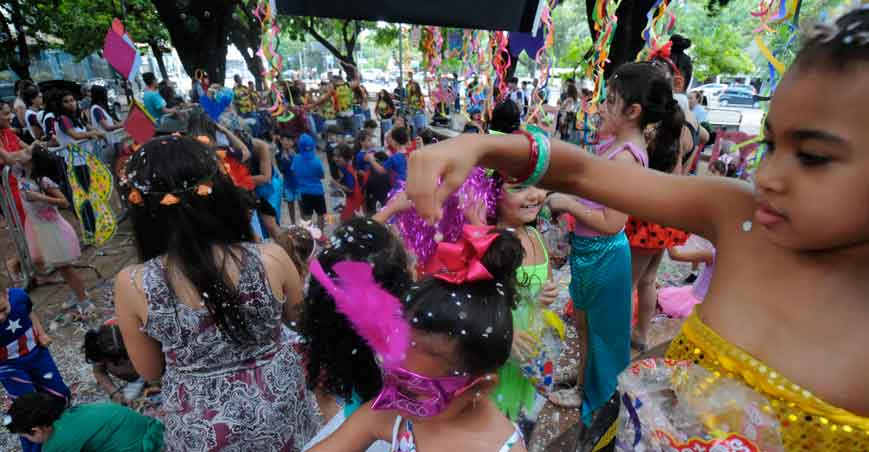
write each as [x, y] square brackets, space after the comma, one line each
[680, 43]
[504, 256]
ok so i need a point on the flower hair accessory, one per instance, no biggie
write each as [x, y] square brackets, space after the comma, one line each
[375, 314]
[460, 262]
[663, 51]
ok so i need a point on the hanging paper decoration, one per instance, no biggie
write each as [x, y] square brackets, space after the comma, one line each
[543, 60]
[120, 51]
[268, 51]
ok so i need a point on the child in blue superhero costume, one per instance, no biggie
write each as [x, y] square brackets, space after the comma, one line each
[26, 364]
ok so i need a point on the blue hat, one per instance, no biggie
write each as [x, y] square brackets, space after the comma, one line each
[306, 143]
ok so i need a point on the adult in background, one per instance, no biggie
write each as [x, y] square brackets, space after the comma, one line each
[207, 309]
[154, 102]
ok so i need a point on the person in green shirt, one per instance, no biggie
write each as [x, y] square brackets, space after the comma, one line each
[45, 419]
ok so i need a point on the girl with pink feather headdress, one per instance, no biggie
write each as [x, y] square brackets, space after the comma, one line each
[439, 349]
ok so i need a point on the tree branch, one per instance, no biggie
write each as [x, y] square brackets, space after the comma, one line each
[309, 27]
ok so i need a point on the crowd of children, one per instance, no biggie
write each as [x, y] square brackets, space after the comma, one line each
[429, 320]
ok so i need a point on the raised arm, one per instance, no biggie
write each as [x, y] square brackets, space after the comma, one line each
[681, 202]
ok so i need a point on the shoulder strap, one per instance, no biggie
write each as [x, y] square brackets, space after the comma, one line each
[395, 431]
[635, 150]
[514, 438]
[542, 244]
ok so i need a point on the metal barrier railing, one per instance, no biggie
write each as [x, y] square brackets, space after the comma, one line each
[106, 150]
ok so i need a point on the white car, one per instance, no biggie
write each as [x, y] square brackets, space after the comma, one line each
[710, 91]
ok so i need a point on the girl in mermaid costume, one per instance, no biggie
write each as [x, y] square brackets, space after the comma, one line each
[786, 311]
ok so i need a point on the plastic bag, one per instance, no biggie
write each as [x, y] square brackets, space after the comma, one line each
[676, 406]
[547, 328]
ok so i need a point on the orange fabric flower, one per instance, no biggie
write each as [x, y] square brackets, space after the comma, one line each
[169, 200]
[135, 197]
[203, 190]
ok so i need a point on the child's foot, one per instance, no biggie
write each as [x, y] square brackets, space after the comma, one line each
[567, 397]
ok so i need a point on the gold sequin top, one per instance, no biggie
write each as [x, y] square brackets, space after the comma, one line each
[807, 422]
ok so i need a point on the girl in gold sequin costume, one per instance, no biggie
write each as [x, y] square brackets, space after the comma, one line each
[788, 306]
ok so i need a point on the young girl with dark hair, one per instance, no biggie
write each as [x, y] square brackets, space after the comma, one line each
[206, 310]
[341, 367]
[50, 238]
[99, 111]
[786, 310]
[104, 349]
[600, 261]
[461, 333]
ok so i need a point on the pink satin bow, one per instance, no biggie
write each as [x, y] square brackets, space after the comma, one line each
[459, 262]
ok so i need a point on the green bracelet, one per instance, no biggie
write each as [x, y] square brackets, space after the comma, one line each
[543, 156]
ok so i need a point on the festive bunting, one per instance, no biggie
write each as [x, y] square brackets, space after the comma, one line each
[120, 51]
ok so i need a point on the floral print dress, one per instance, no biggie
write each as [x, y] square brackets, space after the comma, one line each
[221, 395]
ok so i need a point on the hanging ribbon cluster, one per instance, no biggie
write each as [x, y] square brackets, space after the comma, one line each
[656, 28]
[265, 13]
[543, 59]
[500, 61]
[771, 13]
[605, 22]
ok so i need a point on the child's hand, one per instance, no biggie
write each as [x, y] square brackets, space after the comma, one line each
[524, 345]
[548, 293]
[369, 157]
[43, 339]
[33, 196]
[559, 202]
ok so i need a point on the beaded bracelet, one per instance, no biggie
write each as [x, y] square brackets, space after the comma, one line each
[533, 157]
[541, 166]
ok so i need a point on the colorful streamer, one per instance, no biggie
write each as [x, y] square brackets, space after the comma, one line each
[271, 32]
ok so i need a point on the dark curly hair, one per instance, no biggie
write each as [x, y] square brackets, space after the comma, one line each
[338, 359]
[837, 47]
[478, 315]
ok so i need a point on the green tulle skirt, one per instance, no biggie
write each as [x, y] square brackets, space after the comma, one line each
[515, 393]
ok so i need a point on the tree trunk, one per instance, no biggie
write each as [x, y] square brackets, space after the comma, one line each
[21, 64]
[346, 58]
[254, 65]
[199, 34]
[158, 55]
[628, 40]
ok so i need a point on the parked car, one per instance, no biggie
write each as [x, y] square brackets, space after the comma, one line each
[710, 91]
[738, 96]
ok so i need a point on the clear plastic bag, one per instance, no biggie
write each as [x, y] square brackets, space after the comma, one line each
[547, 328]
[676, 406]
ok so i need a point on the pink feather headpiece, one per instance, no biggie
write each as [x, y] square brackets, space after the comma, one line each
[375, 314]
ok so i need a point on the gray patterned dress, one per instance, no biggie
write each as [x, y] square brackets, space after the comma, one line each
[217, 394]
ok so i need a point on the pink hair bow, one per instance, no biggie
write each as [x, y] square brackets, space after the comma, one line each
[460, 262]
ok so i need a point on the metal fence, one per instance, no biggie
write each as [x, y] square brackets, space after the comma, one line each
[106, 150]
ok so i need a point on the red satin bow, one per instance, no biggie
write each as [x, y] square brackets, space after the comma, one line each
[459, 262]
[662, 52]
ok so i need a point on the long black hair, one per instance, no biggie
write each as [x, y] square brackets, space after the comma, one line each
[506, 117]
[645, 85]
[680, 59]
[477, 315]
[339, 360]
[192, 232]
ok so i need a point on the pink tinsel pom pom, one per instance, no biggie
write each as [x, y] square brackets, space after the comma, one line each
[421, 238]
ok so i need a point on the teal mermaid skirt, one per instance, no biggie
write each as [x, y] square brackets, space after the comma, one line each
[600, 269]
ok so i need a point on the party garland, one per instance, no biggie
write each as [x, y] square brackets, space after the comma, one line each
[265, 14]
[543, 59]
[605, 22]
[651, 34]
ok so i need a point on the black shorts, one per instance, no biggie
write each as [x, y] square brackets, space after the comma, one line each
[313, 203]
[264, 208]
